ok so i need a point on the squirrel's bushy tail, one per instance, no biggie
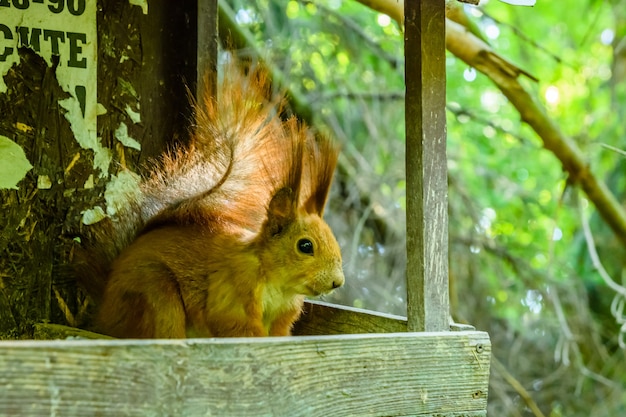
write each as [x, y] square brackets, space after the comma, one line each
[240, 153]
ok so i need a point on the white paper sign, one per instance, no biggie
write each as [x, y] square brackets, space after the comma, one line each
[65, 30]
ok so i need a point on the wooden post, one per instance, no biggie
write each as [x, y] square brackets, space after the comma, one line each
[207, 47]
[426, 170]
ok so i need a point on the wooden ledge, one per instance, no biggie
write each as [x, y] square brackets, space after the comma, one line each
[393, 374]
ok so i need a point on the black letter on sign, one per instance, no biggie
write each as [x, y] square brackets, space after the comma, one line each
[7, 35]
[76, 49]
[35, 36]
[54, 36]
[59, 6]
[81, 95]
[21, 4]
[76, 7]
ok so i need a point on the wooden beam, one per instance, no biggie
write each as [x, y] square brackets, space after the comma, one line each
[426, 170]
[397, 374]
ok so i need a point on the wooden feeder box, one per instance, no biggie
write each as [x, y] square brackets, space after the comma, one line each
[343, 361]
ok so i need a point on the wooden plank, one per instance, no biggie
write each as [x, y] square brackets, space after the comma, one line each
[426, 171]
[321, 318]
[398, 374]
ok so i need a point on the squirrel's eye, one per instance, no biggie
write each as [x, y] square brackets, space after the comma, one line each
[305, 246]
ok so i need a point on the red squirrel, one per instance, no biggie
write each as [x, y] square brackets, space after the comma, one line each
[227, 236]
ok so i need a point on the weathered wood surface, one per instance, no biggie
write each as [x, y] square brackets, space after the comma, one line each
[428, 302]
[144, 61]
[206, 48]
[51, 331]
[320, 318]
[398, 374]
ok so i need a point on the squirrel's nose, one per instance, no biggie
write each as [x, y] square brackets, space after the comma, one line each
[338, 282]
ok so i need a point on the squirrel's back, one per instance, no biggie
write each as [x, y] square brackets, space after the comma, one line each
[226, 236]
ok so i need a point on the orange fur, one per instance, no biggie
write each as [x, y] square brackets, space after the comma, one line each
[230, 236]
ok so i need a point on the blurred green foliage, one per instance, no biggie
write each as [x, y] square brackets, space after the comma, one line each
[519, 264]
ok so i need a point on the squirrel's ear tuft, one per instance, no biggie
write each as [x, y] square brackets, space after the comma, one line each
[322, 154]
[281, 211]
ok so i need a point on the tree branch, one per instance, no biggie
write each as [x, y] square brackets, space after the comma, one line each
[392, 8]
[395, 8]
[476, 53]
[504, 75]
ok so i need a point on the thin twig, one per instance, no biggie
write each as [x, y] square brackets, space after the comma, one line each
[614, 149]
[364, 95]
[517, 386]
[597, 264]
[392, 60]
[461, 111]
[593, 254]
[521, 35]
